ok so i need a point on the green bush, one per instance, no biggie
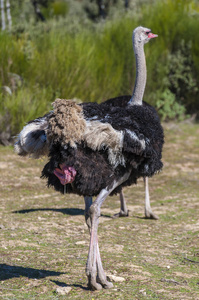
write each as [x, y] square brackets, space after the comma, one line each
[72, 57]
[168, 108]
[22, 106]
[176, 52]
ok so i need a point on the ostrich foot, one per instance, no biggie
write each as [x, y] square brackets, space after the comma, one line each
[121, 214]
[105, 283]
[150, 215]
[101, 276]
[98, 283]
[93, 285]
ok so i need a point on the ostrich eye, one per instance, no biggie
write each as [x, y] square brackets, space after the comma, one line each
[147, 32]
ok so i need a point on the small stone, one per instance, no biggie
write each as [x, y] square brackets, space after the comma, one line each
[143, 292]
[80, 243]
[63, 290]
[168, 267]
[115, 278]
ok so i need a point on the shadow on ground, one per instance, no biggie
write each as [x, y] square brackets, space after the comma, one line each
[65, 211]
[63, 284]
[8, 272]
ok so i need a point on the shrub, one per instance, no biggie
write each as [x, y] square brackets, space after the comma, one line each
[168, 108]
[73, 57]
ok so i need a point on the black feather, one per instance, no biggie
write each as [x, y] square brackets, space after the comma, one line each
[94, 171]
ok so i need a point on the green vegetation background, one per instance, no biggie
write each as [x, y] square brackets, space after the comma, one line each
[72, 56]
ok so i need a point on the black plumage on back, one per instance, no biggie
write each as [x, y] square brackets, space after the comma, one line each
[94, 171]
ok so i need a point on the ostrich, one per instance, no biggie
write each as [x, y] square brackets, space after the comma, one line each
[97, 150]
[123, 101]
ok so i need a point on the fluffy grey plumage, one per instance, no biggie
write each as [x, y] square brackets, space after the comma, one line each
[32, 139]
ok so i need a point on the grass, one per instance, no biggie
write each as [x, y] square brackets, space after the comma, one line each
[96, 62]
[44, 239]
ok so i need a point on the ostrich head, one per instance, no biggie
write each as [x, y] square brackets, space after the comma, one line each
[142, 35]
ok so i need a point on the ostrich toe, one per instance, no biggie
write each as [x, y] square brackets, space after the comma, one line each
[105, 283]
[121, 214]
[150, 215]
[93, 285]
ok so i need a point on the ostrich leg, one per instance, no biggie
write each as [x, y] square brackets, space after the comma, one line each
[94, 270]
[88, 202]
[124, 212]
[101, 276]
[148, 211]
[102, 279]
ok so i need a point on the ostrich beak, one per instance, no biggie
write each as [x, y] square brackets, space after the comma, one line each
[152, 35]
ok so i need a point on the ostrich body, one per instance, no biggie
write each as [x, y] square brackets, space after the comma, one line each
[123, 101]
[96, 150]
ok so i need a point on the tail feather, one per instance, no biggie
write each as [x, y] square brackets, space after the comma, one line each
[32, 139]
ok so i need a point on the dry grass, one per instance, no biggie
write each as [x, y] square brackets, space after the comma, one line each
[44, 239]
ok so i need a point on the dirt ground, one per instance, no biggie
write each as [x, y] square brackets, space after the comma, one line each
[44, 239]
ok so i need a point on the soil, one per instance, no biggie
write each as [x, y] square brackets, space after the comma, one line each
[44, 239]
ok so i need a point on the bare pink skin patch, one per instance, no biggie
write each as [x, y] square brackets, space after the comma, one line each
[65, 174]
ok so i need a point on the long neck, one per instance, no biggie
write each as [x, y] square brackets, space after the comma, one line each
[141, 74]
